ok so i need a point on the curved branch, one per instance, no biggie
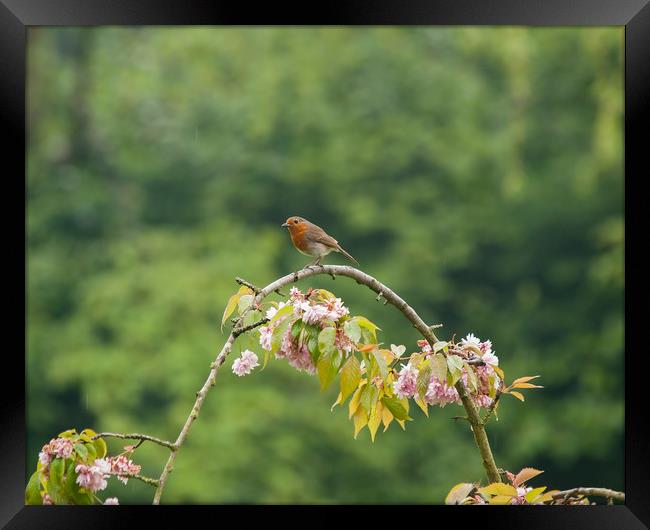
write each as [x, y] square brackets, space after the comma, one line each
[389, 296]
[135, 436]
[591, 492]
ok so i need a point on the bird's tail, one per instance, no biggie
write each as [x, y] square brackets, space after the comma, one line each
[348, 255]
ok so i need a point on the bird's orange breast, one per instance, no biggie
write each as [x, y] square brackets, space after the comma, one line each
[299, 237]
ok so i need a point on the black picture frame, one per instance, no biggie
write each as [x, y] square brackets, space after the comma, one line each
[17, 15]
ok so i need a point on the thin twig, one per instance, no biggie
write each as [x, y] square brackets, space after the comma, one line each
[136, 436]
[238, 331]
[142, 478]
[252, 287]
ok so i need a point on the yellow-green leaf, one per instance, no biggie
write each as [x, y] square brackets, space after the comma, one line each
[459, 493]
[354, 402]
[375, 420]
[338, 401]
[350, 377]
[396, 408]
[500, 499]
[232, 303]
[532, 495]
[360, 420]
[499, 488]
[423, 405]
[386, 417]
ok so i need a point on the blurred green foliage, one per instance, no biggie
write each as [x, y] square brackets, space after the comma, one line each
[476, 171]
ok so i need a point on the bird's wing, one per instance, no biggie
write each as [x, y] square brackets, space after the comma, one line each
[322, 237]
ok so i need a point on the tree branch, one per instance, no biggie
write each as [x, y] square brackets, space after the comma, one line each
[389, 296]
[591, 492]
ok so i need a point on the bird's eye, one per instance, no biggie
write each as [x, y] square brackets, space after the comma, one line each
[295, 221]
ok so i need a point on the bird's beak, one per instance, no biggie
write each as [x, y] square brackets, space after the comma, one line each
[285, 224]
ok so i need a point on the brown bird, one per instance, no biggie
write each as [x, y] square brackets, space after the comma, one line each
[312, 240]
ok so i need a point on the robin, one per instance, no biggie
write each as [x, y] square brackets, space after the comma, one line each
[312, 240]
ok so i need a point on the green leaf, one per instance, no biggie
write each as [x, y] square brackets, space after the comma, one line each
[396, 408]
[81, 451]
[286, 310]
[328, 366]
[296, 328]
[67, 434]
[438, 367]
[369, 327]
[55, 485]
[100, 448]
[352, 330]
[244, 302]
[365, 398]
[326, 341]
[312, 346]
[455, 365]
[350, 377]
[33, 490]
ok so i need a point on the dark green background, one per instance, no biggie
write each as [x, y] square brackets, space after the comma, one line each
[476, 171]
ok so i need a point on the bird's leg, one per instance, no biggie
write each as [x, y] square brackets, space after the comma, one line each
[314, 263]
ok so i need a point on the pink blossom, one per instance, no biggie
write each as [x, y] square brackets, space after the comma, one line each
[93, 478]
[112, 501]
[266, 334]
[486, 346]
[297, 356]
[273, 310]
[44, 458]
[295, 295]
[440, 394]
[481, 400]
[406, 384]
[490, 358]
[57, 447]
[121, 466]
[315, 313]
[336, 309]
[471, 339]
[62, 447]
[47, 500]
[245, 363]
[425, 346]
[301, 307]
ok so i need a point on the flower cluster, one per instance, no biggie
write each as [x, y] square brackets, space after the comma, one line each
[74, 466]
[440, 392]
[245, 363]
[123, 467]
[315, 311]
[57, 447]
